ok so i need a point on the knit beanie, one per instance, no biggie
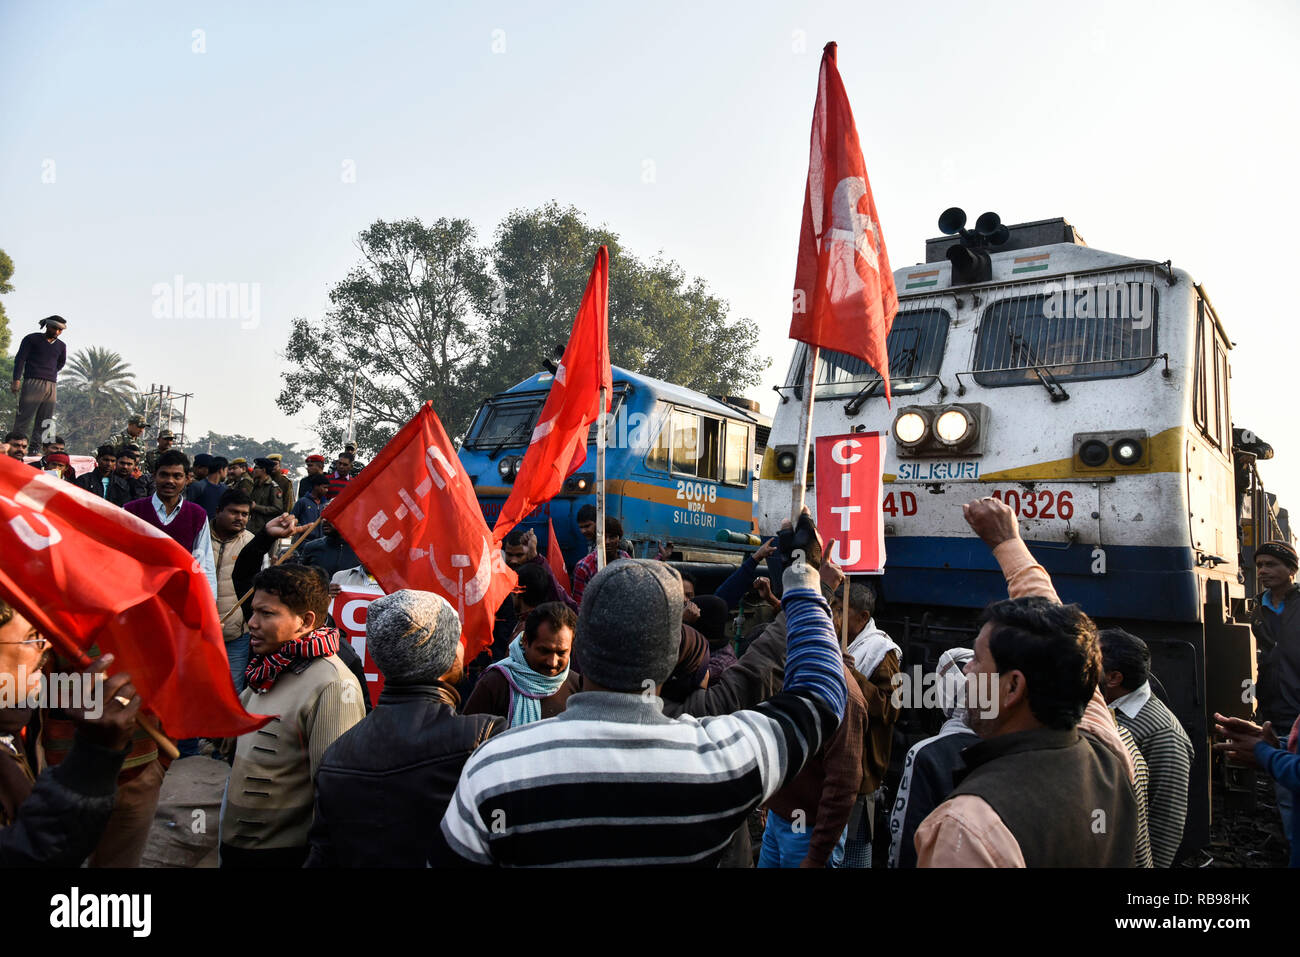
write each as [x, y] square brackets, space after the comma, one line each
[1282, 552]
[412, 636]
[630, 624]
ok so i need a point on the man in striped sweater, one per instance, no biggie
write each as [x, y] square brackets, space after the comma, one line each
[613, 781]
[1126, 667]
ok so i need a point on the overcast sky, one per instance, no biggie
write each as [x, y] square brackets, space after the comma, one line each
[134, 150]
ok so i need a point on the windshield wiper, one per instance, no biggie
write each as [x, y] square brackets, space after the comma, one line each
[506, 441]
[854, 405]
[1054, 388]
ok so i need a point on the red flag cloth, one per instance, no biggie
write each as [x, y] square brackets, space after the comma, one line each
[555, 557]
[844, 297]
[850, 480]
[85, 572]
[412, 518]
[559, 443]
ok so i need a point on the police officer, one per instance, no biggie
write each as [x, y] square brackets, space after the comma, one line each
[165, 439]
[131, 434]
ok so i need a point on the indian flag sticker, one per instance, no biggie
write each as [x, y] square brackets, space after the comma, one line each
[920, 280]
[1030, 263]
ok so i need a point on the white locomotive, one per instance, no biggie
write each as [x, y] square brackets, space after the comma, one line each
[1090, 391]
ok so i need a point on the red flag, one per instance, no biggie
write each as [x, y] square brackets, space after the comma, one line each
[412, 518]
[559, 443]
[844, 296]
[850, 479]
[85, 572]
[555, 557]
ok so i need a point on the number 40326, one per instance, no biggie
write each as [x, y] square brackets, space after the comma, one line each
[1026, 504]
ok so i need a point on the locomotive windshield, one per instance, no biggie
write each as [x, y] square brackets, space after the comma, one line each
[916, 343]
[1083, 332]
[505, 422]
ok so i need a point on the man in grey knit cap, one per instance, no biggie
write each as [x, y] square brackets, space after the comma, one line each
[384, 785]
[613, 780]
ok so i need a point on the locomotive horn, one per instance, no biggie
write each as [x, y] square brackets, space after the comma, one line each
[952, 221]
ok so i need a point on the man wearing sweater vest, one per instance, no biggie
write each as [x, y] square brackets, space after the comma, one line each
[1050, 783]
[295, 674]
[165, 510]
[613, 780]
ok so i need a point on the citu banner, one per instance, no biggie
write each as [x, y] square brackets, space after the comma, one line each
[558, 445]
[87, 573]
[414, 521]
[844, 296]
[850, 480]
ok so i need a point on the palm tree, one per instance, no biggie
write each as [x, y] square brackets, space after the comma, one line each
[102, 374]
[100, 391]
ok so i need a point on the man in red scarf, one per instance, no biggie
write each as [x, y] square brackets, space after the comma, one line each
[294, 672]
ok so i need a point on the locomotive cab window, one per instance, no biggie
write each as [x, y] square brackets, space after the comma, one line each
[504, 422]
[916, 342]
[691, 443]
[1210, 390]
[735, 453]
[1100, 331]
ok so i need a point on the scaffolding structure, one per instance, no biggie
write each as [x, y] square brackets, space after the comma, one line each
[161, 413]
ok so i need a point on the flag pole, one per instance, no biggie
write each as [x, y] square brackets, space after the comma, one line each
[243, 598]
[844, 616]
[600, 483]
[805, 434]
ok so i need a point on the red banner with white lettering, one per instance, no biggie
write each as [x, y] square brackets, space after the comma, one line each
[87, 573]
[349, 610]
[414, 521]
[850, 479]
[559, 441]
[844, 296]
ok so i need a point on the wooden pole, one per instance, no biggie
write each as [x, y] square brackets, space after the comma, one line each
[244, 597]
[805, 435]
[600, 483]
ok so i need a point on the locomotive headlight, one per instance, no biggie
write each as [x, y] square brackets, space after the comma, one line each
[507, 466]
[910, 428]
[1094, 453]
[1127, 451]
[785, 462]
[954, 426]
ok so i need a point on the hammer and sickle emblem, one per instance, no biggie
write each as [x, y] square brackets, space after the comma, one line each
[849, 232]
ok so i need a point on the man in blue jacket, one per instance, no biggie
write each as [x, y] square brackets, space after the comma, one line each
[1259, 747]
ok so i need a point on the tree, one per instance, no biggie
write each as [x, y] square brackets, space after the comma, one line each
[8, 401]
[96, 394]
[6, 273]
[430, 315]
[404, 323]
[660, 324]
[241, 446]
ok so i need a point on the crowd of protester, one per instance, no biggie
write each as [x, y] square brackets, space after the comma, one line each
[631, 719]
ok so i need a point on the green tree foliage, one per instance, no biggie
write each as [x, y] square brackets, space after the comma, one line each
[6, 273]
[241, 446]
[405, 321]
[660, 323]
[96, 394]
[430, 315]
[8, 401]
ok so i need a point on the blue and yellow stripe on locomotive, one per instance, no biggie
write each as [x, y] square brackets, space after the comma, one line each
[679, 464]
